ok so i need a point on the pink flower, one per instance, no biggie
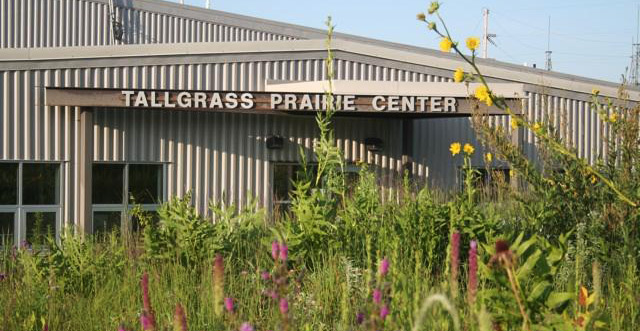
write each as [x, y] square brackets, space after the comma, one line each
[284, 252]
[246, 327]
[265, 275]
[377, 296]
[359, 318]
[179, 319]
[228, 304]
[284, 306]
[472, 285]
[384, 311]
[274, 250]
[146, 322]
[384, 267]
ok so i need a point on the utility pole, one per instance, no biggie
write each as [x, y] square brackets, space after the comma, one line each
[547, 64]
[635, 55]
[208, 4]
[486, 36]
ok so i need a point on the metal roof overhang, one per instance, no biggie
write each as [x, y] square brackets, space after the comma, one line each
[369, 99]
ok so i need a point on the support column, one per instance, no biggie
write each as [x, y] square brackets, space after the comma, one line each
[517, 136]
[85, 162]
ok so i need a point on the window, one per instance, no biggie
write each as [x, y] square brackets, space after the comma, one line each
[29, 202]
[7, 228]
[116, 187]
[285, 174]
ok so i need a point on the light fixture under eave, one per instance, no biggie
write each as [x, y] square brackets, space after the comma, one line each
[373, 144]
[275, 142]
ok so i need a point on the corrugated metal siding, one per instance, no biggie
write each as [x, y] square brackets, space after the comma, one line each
[62, 23]
[215, 155]
[577, 124]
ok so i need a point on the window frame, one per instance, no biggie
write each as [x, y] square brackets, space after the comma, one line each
[125, 207]
[20, 210]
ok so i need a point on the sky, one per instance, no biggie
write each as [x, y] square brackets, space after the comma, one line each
[588, 38]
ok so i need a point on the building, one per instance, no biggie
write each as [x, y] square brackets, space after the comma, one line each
[77, 135]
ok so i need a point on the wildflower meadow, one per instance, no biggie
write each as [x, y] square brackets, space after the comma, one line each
[555, 247]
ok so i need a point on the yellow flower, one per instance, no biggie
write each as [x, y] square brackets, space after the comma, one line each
[595, 91]
[468, 149]
[434, 7]
[613, 118]
[537, 127]
[488, 157]
[455, 148]
[514, 123]
[472, 43]
[421, 17]
[512, 174]
[482, 94]
[593, 179]
[446, 44]
[458, 75]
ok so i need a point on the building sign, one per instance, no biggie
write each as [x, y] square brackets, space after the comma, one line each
[286, 101]
[269, 102]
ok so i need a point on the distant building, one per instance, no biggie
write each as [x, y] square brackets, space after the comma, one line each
[218, 104]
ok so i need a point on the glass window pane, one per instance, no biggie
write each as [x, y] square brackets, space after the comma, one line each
[107, 183]
[8, 183]
[145, 183]
[106, 221]
[6, 228]
[40, 225]
[40, 184]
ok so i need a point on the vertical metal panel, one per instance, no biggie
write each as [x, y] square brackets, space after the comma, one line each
[64, 23]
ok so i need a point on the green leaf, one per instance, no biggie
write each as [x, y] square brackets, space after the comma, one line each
[527, 268]
[525, 245]
[539, 290]
[557, 299]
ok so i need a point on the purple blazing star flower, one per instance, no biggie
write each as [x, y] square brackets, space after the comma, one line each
[377, 296]
[284, 306]
[384, 311]
[121, 328]
[146, 322]
[384, 267]
[246, 327]
[455, 258]
[274, 250]
[359, 318]
[284, 252]
[265, 275]
[473, 271]
[228, 304]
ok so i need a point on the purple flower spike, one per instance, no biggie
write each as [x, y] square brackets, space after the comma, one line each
[284, 252]
[377, 296]
[265, 275]
[146, 322]
[284, 306]
[228, 304]
[384, 267]
[246, 327]
[274, 250]
[360, 318]
[121, 328]
[455, 261]
[473, 271]
[384, 311]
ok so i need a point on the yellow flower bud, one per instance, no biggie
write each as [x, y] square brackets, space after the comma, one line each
[432, 25]
[514, 123]
[537, 127]
[613, 118]
[488, 157]
[434, 7]
[595, 91]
